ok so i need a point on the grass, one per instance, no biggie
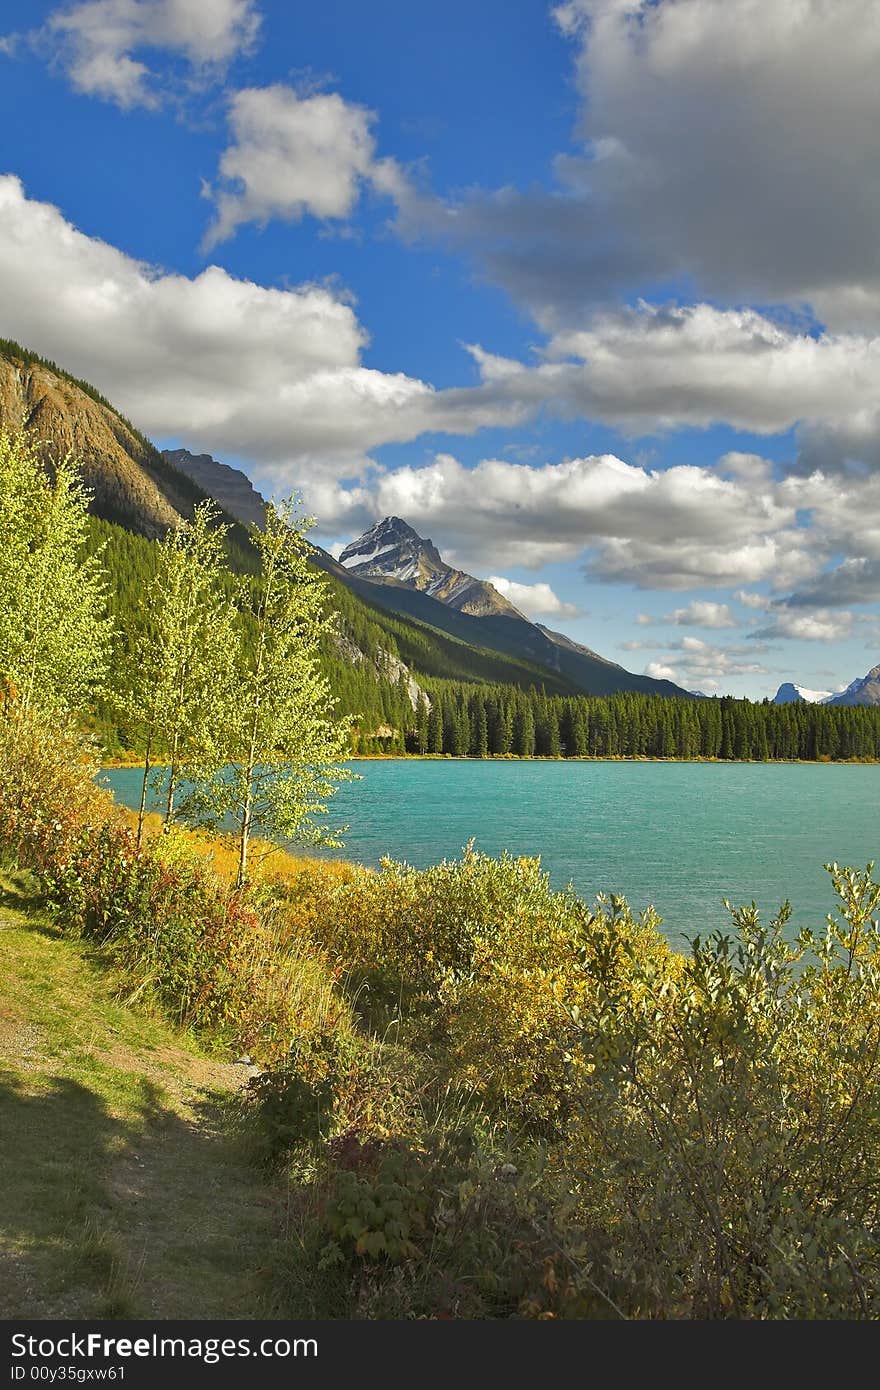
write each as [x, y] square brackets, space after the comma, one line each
[268, 862]
[125, 1190]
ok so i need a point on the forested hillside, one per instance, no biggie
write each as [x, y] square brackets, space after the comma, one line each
[393, 678]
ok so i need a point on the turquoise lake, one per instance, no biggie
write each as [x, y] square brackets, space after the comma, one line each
[679, 835]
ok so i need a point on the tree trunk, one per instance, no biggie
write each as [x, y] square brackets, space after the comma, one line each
[172, 784]
[142, 809]
[244, 839]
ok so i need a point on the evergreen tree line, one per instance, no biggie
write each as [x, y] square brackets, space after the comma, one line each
[480, 716]
[485, 721]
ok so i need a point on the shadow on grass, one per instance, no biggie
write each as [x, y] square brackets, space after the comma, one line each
[80, 1209]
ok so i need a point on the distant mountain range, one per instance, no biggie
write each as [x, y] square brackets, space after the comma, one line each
[436, 619]
[864, 690]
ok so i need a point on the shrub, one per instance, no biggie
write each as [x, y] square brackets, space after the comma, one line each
[729, 1133]
[476, 962]
[214, 960]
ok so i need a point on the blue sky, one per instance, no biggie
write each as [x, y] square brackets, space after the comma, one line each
[589, 294]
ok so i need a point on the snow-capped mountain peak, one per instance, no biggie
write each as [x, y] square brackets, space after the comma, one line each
[392, 552]
[791, 694]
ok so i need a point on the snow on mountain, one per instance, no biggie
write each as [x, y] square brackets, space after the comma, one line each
[790, 694]
[865, 690]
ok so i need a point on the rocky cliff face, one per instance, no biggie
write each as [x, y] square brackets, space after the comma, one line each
[231, 488]
[130, 481]
[387, 666]
[392, 552]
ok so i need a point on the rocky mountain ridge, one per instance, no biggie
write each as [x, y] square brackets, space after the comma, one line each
[230, 488]
[864, 690]
[130, 481]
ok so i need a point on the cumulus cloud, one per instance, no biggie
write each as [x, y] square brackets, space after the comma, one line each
[854, 580]
[291, 155]
[673, 529]
[750, 468]
[718, 141]
[818, 626]
[851, 446]
[535, 600]
[749, 599]
[696, 662]
[702, 613]
[220, 363]
[102, 44]
[275, 376]
[660, 671]
[651, 368]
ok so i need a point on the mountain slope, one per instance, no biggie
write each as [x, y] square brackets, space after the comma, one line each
[131, 482]
[865, 691]
[402, 561]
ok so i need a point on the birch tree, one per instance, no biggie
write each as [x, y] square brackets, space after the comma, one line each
[54, 633]
[183, 663]
[284, 744]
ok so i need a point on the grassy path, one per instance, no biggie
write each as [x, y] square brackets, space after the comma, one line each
[123, 1189]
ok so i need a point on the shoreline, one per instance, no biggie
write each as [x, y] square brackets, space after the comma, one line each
[114, 764]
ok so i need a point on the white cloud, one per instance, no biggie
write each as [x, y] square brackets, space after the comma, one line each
[751, 600]
[660, 671]
[535, 600]
[698, 662]
[821, 625]
[663, 367]
[676, 529]
[291, 155]
[702, 613]
[96, 42]
[275, 376]
[750, 468]
[222, 364]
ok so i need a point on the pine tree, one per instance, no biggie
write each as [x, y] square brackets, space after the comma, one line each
[435, 726]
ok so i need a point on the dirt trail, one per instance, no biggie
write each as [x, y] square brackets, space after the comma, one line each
[124, 1189]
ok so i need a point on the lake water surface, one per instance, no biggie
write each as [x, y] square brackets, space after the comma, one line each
[679, 835]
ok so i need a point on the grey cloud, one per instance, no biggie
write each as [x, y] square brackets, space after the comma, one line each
[719, 143]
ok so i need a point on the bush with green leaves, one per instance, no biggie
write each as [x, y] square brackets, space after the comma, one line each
[728, 1134]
